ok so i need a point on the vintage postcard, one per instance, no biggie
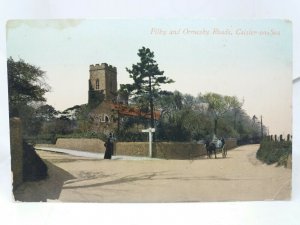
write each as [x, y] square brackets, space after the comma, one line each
[136, 110]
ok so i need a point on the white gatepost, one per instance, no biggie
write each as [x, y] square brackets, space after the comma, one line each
[150, 131]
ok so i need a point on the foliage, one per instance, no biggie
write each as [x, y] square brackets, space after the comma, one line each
[146, 73]
[147, 79]
[51, 138]
[173, 128]
[26, 90]
[131, 136]
[41, 138]
[218, 105]
[26, 84]
[188, 118]
[46, 113]
[83, 119]
[182, 118]
[274, 152]
[95, 97]
[89, 134]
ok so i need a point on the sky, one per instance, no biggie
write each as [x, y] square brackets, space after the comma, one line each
[249, 59]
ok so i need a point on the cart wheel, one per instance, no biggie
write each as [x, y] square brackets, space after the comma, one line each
[224, 152]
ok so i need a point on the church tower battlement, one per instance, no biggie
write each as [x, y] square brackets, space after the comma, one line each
[102, 83]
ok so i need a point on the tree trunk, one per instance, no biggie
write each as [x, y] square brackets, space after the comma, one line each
[215, 128]
[234, 123]
[151, 103]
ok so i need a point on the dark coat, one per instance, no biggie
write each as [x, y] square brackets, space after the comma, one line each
[108, 149]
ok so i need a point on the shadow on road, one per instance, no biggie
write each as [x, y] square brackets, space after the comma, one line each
[141, 177]
[125, 179]
[41, 191]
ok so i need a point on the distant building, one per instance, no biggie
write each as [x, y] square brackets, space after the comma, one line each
[106, 106]
[102, 84]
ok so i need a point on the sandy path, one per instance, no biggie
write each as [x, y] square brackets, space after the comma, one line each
[238, 177]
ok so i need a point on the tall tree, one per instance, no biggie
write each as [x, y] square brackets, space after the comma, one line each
[147, 79]
[182, 118]
[218, 105]
[235, 105]
[46, 113]
[26, 84]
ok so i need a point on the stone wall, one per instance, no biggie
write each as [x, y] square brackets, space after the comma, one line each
[104, 119]
[165, 150]
[16, 148]
[84, 144]
[131, 148]
[230, 143]
[178, 150]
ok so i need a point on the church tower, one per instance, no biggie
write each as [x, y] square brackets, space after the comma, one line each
[102, 84]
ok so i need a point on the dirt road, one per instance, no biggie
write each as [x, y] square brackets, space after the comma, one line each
[240, 176]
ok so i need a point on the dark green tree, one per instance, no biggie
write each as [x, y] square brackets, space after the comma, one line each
[46, 113]
[26, 85]
[26, 90]
[147, 79]
[37, 118]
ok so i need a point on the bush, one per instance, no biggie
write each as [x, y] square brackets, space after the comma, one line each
[41, 139]
[89, 134]
[51, 138]
[274, 152]
[131, 136]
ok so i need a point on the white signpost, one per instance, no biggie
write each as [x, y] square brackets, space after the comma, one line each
[150, 131]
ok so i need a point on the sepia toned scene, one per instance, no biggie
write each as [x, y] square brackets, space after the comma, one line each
[150, 110]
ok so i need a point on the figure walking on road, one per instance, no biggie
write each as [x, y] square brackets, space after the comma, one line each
[108, 147]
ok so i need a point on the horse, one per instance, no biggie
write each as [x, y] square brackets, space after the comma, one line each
[211, 147]
[215, 146]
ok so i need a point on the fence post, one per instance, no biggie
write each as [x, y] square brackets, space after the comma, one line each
[280, 137]
[275, 136]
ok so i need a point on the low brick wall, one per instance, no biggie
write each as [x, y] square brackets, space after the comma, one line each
[83, 144]
[178, 150]
[165, 150]
[131, 148]
[230, 143]
[16, 148]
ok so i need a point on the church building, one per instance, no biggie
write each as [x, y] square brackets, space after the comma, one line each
[106, 106]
